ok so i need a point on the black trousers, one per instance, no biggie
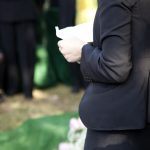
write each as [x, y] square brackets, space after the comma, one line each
[2, 68]
[67, 13]
[17, 41]
[118, 140]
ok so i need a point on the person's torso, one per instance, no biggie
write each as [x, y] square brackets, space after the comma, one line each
[122, 106]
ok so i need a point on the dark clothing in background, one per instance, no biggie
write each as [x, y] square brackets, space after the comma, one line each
[67, 14]
[2, 67]
[17, 10]
[17, 40]
[54, 3]
[56, 68]
[39, 6]
[20, 53]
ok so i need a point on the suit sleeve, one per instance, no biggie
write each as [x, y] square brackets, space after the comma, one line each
[112, 62]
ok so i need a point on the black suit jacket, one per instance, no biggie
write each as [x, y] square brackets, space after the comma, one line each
[117, 65]
[17, 10]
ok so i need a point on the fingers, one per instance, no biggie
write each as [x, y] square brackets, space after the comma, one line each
[69, 57]
[62, 48]
[67, 50]
[60, 43]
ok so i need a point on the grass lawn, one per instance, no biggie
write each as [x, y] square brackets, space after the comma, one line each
[37, 134]
[56, 100]
[40, 124]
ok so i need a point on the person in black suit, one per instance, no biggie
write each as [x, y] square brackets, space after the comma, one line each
[17, 39]
[116, 106]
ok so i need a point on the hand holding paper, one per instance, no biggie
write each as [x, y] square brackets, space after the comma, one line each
[74, 38]
[71, 49]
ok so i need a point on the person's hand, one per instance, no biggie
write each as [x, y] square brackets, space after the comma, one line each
[71, 49]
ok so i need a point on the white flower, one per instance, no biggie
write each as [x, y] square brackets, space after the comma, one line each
[65, 146]
[76, 124]
[76, 136]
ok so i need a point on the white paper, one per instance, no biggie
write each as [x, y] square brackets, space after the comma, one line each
[83, 31]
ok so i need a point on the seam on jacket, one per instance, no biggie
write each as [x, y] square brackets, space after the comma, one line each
[132, 4]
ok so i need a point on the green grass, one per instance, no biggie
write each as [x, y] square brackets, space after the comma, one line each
[56, 100]
[37, 134]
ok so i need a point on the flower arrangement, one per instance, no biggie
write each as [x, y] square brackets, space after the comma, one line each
[76, 136]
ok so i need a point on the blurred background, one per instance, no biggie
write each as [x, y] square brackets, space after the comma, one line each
[39, 90]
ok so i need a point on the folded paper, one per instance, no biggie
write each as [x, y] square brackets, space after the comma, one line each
[83, 32]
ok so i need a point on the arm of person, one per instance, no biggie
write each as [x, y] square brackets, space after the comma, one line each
[112, 62]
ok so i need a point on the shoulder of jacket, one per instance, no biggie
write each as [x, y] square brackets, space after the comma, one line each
[126, 2]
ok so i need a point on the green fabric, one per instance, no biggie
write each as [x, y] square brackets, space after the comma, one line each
[37, 134]
[44, 75]
[50, 67]
[57, 60]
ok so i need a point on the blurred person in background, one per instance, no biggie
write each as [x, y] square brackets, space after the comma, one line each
[54, 3]
[2, 67]
[39, 21]
[51, 68]
[67, 17]
[58, 68]
[17, 39]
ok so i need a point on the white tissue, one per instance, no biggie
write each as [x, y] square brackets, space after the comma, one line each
[82, 31]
